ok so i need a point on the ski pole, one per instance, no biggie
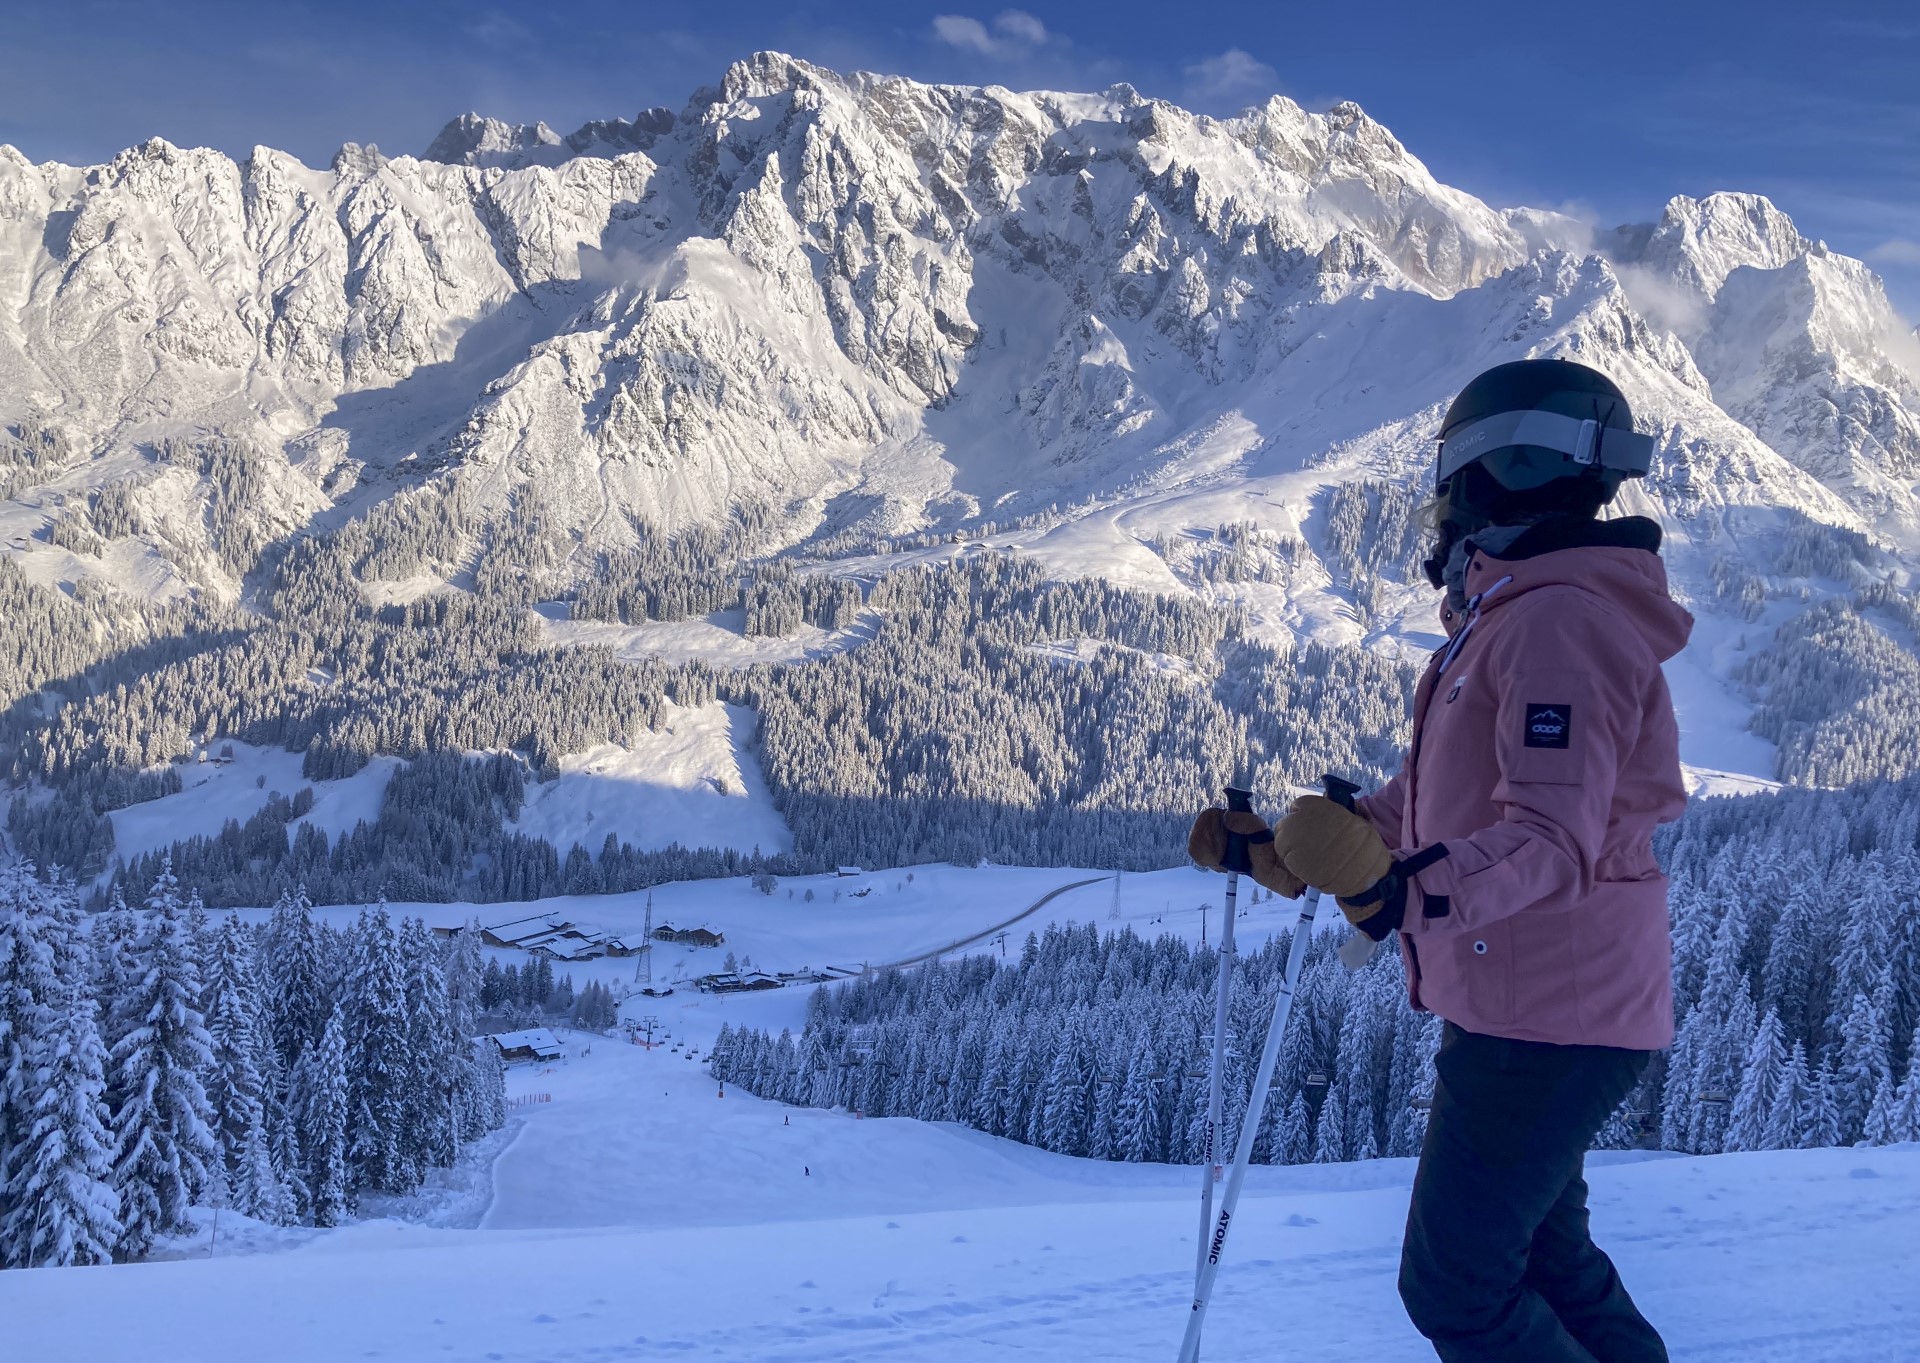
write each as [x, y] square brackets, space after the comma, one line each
[1237, 860]
[1341, 792]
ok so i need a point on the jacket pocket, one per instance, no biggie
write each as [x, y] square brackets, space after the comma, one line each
[1483, 960]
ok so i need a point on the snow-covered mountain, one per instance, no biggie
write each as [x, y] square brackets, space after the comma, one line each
[890, 307]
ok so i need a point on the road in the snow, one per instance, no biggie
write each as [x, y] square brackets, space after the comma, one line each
[979, 937]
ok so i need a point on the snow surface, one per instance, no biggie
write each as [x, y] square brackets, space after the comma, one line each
[637, 1213]
[719, 638]
[218, 790]
[875, 919]
[694, 781]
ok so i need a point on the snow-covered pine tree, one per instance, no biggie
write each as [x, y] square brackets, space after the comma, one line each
[1330, 1140]
[199, 932]
[1620, 1131]
[297, 1000]
[1102, 1133]
[491, 1099]
[1823, 1131]
[1295, 1143]
[1043, 1048]
[1694, 928]
[1901, 1011]
[1064, 1128]
[1413, 1125]
[465, 983]
[593, 1008]
[257, 1182]
[380, 1064]
[116, 974]
[1137, 1124]
[234, 1087]
[1881, 1126]
[1791, 1114]
[1859, 966]
[164, 1147]
[1905, 1120]
[29, 992]
[1713, 1043]
[536, 984]
[493, 989]
[1787, 975]
[61, 1207]
[1360, 1122]
[1760, 1081]
[282, 1132]
[983, 1114]
[1677, 1102]
[320, 1096]
[1863, 1067]
[428, 1138]
[57, 1204]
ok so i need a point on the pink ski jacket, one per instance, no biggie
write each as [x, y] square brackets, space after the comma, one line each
[1544, 753]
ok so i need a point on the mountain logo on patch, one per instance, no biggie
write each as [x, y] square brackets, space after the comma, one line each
[1549, 726]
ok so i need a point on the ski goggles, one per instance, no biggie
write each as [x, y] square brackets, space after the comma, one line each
[1522, 450]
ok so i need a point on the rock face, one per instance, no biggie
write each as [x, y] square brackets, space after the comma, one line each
[891, 306]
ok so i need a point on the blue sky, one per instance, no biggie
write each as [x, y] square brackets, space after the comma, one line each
[1606, 110]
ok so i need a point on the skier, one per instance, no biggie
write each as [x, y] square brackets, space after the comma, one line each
[1513, 855]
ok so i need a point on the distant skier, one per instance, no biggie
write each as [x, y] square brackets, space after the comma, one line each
[1513, 853]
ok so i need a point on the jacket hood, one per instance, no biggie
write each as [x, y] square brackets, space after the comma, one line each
[1618, 561]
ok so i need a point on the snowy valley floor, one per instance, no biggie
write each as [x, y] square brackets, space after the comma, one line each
[638, 1215]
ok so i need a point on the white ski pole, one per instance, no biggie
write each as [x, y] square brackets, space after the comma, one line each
[1239, 800]
[1215, 1244]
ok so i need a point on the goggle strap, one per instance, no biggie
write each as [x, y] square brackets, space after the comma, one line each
[1585, 442]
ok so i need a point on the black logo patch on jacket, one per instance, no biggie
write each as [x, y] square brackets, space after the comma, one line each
[1549, 726]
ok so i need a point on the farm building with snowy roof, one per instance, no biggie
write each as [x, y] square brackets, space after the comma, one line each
[536, 1043]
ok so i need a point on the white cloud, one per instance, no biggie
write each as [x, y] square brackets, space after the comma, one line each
[1019, 33]
[957, 30]
[1896, 251]
[1230, 75]
[1662, 302]
[1021, 27]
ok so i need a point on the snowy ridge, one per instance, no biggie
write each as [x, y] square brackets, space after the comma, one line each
[889, 307]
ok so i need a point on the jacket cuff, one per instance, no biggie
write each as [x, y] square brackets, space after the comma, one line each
[1438, 882]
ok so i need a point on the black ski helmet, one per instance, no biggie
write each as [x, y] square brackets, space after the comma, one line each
[1535, 422]
[1531, 439]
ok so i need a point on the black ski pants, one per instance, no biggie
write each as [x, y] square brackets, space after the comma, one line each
[1498, 1265]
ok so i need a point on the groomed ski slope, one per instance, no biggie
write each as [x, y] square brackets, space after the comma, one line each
[639, 1215]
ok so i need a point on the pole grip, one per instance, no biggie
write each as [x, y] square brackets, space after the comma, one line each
[1342, 792]
[1239, 801]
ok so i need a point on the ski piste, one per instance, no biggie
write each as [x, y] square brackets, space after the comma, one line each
[1213, 1231]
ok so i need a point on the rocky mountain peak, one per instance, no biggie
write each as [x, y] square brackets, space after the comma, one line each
[886, 306]
[471, 140]
[1698, 242]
